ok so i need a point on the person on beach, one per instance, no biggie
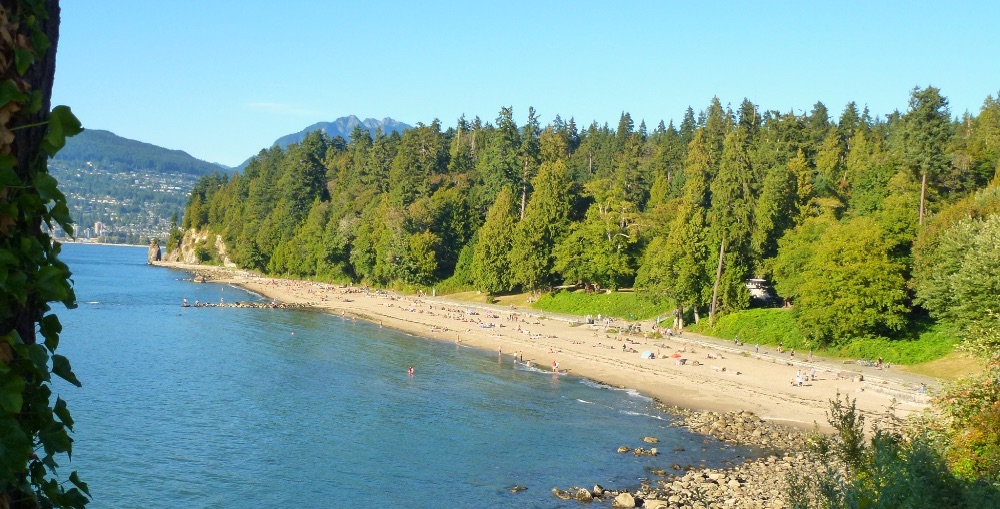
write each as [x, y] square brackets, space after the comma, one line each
[555, 366]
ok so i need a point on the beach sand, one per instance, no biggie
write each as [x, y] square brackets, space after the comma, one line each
[716, 375]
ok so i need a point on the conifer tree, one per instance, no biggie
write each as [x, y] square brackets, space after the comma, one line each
[491, 258]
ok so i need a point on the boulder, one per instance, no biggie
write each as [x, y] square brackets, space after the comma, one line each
[583, 495]
[598, 490]
[651, 440]
[624, 500]
[561, 494]
[623, 449]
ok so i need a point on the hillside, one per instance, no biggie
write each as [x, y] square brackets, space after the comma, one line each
[108, 150]
[342, 127]
[121, 190]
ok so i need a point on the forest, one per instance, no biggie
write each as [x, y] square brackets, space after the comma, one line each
[872, 230]
[865, 225]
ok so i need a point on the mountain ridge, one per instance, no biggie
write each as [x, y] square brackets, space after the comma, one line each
[113, 151]
[342, 126]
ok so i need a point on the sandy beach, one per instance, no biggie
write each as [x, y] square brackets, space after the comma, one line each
[690, 371]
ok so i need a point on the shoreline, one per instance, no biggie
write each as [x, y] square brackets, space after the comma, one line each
[714, 376]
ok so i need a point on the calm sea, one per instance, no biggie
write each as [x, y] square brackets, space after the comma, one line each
[233, 407]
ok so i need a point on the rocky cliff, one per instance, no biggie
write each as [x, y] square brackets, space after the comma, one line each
[196, 245]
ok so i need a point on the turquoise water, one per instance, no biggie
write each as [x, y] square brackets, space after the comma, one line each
[230, 407]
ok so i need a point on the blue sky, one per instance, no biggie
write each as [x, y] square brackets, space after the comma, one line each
[223, 79]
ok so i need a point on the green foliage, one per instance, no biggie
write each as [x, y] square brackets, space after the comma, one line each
[828, 212]
[33, 432]
[887, 470]
[624, 305]
[975, 449]
[490, 268]
[772, 326]
[765, 326]
[845, 282]
[546, 219]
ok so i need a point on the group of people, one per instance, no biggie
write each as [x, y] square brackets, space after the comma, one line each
[801, 377]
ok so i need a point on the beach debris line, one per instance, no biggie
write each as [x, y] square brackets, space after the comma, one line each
[244, 304]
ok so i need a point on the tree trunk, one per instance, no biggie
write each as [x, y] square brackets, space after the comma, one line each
[27, 148]
[715, 287]
[524, 198]
[923, 193]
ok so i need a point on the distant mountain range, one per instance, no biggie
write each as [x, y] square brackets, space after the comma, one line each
[110, 151]
[342, 127]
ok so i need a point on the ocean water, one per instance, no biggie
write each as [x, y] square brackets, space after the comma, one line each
[225, 407]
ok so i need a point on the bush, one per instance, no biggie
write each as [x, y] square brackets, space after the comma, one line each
[889, 471]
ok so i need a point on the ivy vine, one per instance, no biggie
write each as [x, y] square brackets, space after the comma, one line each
[34, 431]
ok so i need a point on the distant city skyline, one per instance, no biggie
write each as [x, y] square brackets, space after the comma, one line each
[222, 80]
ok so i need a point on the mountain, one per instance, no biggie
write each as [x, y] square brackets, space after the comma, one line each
[124, 191]
[108, 150]
[342, 127]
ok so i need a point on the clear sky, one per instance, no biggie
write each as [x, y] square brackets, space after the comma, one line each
[223, 79]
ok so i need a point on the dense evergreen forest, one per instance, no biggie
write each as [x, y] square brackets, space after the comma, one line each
[866, 224]
[873, 229]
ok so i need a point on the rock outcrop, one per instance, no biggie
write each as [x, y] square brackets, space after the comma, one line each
[187, 252]
[155, 254]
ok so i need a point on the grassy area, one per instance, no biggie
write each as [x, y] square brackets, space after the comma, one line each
[624, 305]
[773, 325]
[953, 366]
[767, 326]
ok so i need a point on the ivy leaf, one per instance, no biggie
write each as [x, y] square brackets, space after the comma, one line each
[23, 57]
[52, 285]
[62, 124]
[60, 213]
[16, 448]
[11, 392]
[39, 357]
[50, 328]
[75, 479]
[62, 369]
[9, 92]
[47, 187]
[62, 411]
[7, 258]
[8, 178]
[56, 440]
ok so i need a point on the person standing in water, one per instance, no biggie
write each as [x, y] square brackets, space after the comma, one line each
[410, 372]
